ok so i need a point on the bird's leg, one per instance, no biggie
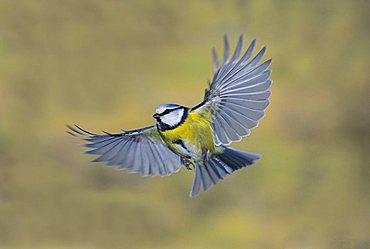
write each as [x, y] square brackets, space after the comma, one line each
[187, 162]
[205, 155]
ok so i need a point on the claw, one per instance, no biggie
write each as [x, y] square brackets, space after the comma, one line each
[188, 167]
[187, 163]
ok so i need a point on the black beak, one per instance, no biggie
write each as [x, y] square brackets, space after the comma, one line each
[155, 115]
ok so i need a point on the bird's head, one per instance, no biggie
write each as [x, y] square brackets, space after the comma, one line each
[169, 116]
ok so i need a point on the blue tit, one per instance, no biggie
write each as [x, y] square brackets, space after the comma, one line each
[196, 137]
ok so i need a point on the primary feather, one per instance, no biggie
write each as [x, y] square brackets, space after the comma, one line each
[139, 151]
[238, 94]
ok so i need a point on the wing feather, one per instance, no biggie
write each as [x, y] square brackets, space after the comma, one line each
[226, 50]
[239, 92]
[139, 151]
[215, 60]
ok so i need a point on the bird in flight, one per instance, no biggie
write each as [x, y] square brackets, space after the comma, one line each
[195, 137]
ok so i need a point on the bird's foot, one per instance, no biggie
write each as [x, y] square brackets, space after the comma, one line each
[205, 155]
[187, 163]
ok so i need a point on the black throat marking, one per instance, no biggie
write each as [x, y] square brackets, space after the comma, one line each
[165, 127]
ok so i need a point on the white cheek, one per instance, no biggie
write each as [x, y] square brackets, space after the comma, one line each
[173, 118]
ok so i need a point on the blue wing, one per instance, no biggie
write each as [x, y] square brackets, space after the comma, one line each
[238, 94]
[139, 151]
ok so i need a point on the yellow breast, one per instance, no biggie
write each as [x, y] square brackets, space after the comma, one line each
[196, 130]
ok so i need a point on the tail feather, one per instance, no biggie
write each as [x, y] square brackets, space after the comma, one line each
[197, 182]
[218, 166]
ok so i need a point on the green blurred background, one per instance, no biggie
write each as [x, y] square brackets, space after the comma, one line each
[106, 65]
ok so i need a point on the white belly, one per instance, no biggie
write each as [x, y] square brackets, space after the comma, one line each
[187, 149]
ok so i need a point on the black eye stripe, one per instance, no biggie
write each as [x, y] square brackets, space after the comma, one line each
[166, 112]
[169, 111]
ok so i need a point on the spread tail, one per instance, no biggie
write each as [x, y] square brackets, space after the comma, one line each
[218, 166]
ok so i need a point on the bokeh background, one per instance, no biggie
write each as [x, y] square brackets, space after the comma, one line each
[106, 65]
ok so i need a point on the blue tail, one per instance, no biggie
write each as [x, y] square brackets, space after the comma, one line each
[218, 166]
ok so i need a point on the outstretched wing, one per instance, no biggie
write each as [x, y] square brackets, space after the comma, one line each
[239, 92]
[140, 151]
